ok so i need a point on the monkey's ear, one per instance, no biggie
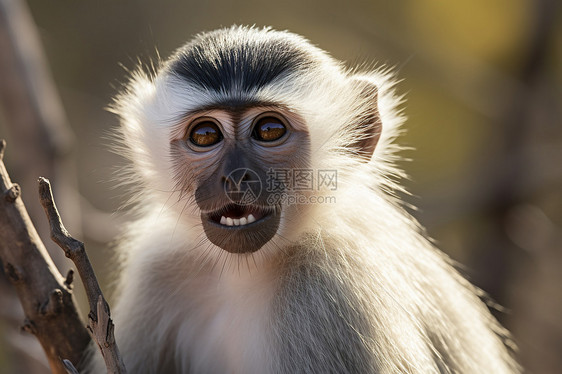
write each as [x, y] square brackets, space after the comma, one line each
[368, 126]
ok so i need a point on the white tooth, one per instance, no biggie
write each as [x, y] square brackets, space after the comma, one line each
[229, 221]
[236, 222]
[251, 218]
[223, 220]
[243, 221]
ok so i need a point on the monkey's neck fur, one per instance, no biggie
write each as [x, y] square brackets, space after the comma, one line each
[348, 286]
[282, 313]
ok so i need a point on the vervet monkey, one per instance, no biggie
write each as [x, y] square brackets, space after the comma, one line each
[269, 238]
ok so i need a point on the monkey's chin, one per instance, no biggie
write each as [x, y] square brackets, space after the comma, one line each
[241, 228]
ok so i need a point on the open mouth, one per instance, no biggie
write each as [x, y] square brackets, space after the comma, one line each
[239, 215]
[241, 228]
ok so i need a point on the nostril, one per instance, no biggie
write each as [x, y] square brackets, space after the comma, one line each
[246, 177]
[226, 182]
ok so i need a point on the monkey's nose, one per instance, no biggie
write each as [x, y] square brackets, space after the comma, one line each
[236, 179]
[242, 186]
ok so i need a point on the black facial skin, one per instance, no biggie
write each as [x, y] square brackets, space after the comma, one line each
[235, 182]
[242, 239]
[229, 176]
[226, 188]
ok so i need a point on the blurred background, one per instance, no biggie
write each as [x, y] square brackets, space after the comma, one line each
[483, 84]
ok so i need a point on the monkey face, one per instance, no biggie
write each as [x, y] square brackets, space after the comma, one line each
[223, 118]
[230, 157]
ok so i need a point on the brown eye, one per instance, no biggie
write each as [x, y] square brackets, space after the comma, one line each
[205, 134]
[269, 129]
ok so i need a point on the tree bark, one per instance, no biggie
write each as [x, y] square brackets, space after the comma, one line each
[46, 296]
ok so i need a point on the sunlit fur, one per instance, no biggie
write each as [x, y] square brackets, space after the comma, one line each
[352, 286]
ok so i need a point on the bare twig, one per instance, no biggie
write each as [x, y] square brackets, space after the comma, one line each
[48, 304]
[100, 323]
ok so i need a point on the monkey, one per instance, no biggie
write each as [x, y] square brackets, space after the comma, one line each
[269, 236]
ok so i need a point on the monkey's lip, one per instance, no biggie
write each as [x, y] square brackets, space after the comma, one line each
[239, 216]
[244, 228]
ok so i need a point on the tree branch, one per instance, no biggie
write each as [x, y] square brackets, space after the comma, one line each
[100, 323]
[50, 311]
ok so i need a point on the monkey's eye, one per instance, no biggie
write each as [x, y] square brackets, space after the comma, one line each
[205, 134]
[269, 129]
